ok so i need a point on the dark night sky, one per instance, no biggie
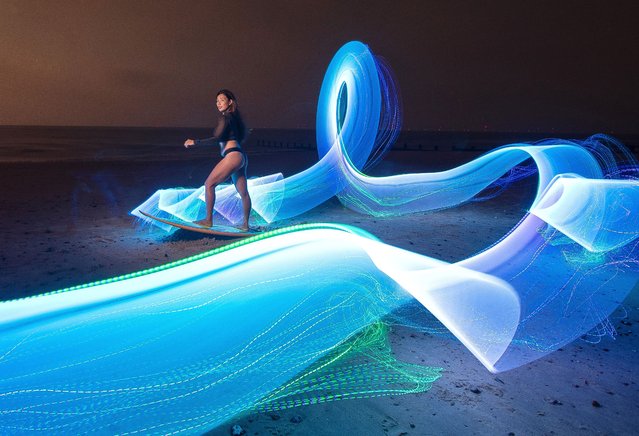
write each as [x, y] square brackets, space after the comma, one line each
[556, 66]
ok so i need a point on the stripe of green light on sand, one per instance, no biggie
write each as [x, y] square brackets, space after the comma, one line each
[380, 374]
[249, 240]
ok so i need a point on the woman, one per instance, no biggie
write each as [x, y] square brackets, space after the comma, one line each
[229, 133]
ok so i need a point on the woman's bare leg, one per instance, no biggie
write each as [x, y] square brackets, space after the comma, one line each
[240, 182]
[227, 166]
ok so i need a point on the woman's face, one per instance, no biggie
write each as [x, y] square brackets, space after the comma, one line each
[222, 102]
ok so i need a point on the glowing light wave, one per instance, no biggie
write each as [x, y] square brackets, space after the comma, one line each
[186, 346]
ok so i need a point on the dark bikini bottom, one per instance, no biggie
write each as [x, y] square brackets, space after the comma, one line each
[238, 150]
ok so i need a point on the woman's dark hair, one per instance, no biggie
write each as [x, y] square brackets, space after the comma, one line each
[233, 109]
[228, 94]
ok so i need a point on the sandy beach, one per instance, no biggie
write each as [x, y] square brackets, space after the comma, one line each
[67, 223]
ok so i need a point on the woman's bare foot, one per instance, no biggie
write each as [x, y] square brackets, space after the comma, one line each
[204, 223]
[244, 228]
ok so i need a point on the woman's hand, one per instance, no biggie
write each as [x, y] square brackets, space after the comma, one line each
[189, 143]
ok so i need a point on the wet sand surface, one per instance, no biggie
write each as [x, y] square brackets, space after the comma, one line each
[67, 223]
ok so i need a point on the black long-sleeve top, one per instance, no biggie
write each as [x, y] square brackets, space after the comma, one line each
[229, 127]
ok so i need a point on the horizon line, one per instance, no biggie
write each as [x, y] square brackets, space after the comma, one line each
[443, 131]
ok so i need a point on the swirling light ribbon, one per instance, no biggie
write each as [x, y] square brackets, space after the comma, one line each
[183, 347]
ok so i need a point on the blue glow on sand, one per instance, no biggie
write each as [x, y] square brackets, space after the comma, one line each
[184, 347]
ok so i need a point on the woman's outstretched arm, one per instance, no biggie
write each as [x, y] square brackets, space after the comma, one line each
[222, 124]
